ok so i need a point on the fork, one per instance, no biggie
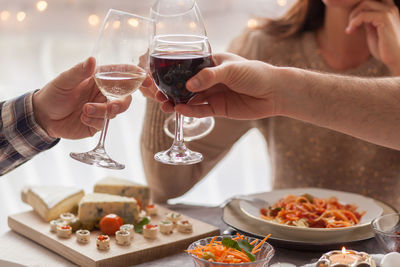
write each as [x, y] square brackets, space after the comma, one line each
[256, 201]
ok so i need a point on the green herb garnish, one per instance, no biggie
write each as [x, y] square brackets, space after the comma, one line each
[139, 226]
[241, 245]
[274, 211]
[309, 197]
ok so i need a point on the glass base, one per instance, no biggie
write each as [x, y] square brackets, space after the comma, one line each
[98, 158]
[193, 128]
[178, 156]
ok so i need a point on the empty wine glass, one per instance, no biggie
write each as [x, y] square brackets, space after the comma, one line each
[183, 11]
[122, 40]
[178, 51]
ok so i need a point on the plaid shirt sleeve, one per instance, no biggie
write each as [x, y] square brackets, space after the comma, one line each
[21, 137]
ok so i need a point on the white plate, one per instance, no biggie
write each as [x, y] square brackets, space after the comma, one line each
[315, 234]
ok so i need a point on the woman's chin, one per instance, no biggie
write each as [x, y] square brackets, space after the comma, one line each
[342, 3]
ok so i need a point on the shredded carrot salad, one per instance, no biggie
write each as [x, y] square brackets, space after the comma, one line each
[309, 211]
[216, 251]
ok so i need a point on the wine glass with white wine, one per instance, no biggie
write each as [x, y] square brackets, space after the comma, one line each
[123, 40]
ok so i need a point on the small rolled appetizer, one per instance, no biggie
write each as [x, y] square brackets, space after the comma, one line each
[151, 210]
[64, 231]
[123, 238]
[173, 217]
[67, 217]
[55, 223]
[83, 236]
[185, 227]
[130, 228]
[166, 227]
[150, 231]
[103, 242]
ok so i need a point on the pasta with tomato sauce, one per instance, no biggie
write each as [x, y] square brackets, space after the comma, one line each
[309, 211]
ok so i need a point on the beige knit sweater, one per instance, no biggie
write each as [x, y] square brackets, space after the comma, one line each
[301, 154]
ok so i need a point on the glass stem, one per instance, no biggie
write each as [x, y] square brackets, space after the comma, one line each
[100, 144]
[178, 140]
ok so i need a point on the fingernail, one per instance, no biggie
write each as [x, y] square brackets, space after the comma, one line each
[90, 110]
[114, 109]
[194, 83]
[87, 119]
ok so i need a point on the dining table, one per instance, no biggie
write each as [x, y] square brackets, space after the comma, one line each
[16, 250]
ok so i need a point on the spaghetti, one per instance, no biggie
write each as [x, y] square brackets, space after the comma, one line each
[309, 211]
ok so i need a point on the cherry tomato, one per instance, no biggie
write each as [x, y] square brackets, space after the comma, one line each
[110, 223]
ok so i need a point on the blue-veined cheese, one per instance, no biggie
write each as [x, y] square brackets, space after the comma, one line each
[123, 187]
[95, 206]
[51, 201]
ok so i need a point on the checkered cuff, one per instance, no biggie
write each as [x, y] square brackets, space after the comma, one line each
[20, 128]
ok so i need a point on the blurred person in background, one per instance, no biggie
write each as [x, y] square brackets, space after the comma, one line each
[353, 37]
[70, 106]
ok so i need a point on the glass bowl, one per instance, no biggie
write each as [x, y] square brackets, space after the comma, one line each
[263, 257]
[387, 231]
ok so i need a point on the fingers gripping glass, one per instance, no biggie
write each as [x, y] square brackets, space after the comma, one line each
[177, 16]
[178, 51]
[122, 42]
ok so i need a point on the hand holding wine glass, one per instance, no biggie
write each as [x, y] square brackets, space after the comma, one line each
[59, 112]
[178, 52]
[180, 17]
[123, 39]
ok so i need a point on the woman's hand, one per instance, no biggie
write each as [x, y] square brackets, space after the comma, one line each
[148, 88]
[382, 24]
[234, 88]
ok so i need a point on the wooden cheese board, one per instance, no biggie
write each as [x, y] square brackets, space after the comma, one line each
[30, 225]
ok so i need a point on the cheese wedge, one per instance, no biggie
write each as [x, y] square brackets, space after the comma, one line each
[123, 187]
[95, 206]
[50, 201]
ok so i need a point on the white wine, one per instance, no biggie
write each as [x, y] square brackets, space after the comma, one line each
[119, 84]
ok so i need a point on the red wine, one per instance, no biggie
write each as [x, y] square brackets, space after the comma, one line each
[171, 71]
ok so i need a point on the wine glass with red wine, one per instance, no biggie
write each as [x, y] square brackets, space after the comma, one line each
[178, 52]
[122, 41]
[187, 18]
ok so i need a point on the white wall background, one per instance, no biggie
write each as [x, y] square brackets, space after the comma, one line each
[36, 49]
